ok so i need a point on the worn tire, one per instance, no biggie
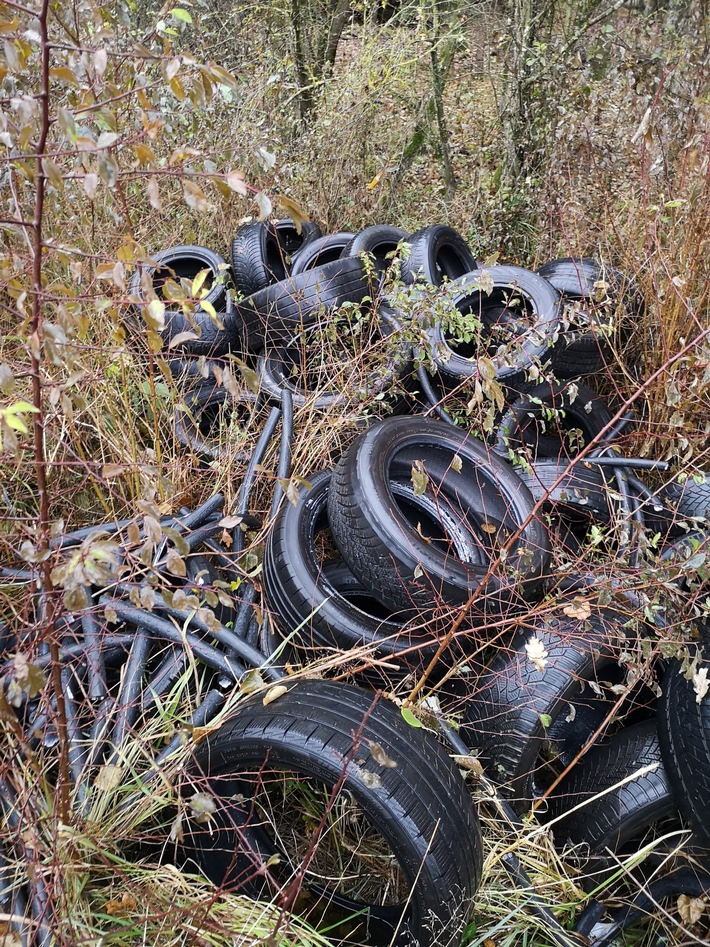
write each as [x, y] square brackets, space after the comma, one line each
[207, 405]
[282, 310]
[292, 242]
[688, 498]
[684, 735]
[581, 494]
[320, 251]
[325, 607]
[379, 242]
[419, 806]
[619, 816]
[516, 705]
[437, 253]
[257, 258]
[184, 263]
[549, 423]
[522, 306]
[382, 545]
[584, 348]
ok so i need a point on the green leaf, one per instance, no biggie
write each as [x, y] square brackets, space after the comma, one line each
[181, 15]
[409, 717]
[420, 479]
[198, 281]
[546, 721]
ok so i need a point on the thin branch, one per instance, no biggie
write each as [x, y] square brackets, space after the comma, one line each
[40, 461]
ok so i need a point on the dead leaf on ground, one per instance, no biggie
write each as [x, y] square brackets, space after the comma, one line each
[579, 608]
[116, 908]
[278, 690]
[691, 909]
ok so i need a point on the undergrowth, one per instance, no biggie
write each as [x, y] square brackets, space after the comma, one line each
[174, 126]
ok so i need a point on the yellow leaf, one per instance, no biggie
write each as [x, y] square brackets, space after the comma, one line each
[64, 74]
[145, 154]
[691, 909]
[53, 172]
[293, 210]
[278, 690]
[108, 777]
[176, 87]
[198, 281]
[374, 182]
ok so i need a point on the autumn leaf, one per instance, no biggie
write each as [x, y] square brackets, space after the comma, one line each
[691, 909]
[236, 182]
[579, 608]
[293, 210]
[194, 196]
[122, 908]
[379, 755]
[108, 777]
[278, 690]
[175, 564]
[264, 204]
[420, 479]
[701, 684]
[536, 652]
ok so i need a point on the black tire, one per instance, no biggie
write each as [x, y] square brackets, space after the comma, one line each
[623, 814]
[581, 494]
[414, 799]
[288, 366]
[322, 602]
[600, 302]
[437, 253]
[688, 498]
[381, 543]
[552, 421]
[684, 736]
[257, 258]
[284, 309]
[320, 251]
[519, 320]
[379, 241]
[196, 371]
[208, 406]
[515, 718]
[292, 242]
[184, 263]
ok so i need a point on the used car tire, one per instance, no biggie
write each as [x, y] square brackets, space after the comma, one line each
[258, 258]
[282, 310]
[607, 822]
[326, 607]
[334, 734]
[437, 253]
[552, 421]
[684, 735]
[382, 545]
[581, 493]
[517, 704]
[292, 242]
[586, 348]
[521, 305]
[322, 250]
[379, 242]
[185, 262]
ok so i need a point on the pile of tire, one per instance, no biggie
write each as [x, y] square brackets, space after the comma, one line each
[425, 548]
